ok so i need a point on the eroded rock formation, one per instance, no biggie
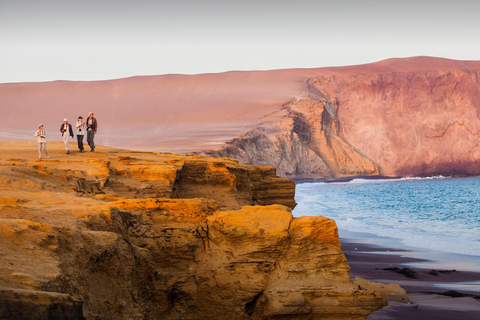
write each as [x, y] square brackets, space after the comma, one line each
[160, 236]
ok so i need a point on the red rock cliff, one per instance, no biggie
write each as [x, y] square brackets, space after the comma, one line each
[403, 117]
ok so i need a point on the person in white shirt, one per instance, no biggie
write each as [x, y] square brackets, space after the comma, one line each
[81, 128]
[67, 132]
[41, 135]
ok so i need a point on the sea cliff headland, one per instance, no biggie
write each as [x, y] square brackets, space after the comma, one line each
[145, 235]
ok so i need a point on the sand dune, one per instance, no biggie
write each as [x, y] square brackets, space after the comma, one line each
[160, 112]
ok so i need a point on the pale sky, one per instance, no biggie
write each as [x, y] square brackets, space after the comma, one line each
[99, 40]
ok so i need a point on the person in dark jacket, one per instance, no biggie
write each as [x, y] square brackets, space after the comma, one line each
[67, 132]
[91, 131]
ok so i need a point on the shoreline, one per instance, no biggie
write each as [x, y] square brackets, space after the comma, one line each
[368, 257]
[378, 177]
[343, 179]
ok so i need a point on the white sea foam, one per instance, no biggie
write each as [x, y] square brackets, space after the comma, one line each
[383, 180]
[425, 178]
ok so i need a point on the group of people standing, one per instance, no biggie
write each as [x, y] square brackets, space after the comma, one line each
[89, 127]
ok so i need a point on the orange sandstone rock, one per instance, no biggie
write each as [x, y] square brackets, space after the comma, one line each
[311, 278]
[220, 242]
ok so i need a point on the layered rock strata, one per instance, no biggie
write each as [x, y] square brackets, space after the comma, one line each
[161, 236]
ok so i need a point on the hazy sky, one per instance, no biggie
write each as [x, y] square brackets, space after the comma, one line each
[94, 40]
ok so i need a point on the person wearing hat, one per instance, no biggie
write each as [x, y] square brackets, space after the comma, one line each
[91, 131]
[67, 132]
[81, 128]
[41, 134]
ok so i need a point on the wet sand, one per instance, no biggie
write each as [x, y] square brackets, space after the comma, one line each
[426, 290]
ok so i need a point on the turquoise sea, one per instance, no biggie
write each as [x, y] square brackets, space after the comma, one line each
[434, 215]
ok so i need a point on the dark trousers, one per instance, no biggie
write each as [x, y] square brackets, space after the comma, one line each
[80, 141]
[90, 136]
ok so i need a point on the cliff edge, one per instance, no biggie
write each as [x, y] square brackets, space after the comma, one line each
[142, 235]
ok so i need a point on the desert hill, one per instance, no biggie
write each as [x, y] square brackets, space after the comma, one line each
[398, 117]
[120, 234]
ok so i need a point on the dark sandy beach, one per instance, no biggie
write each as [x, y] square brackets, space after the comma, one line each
[427, 285]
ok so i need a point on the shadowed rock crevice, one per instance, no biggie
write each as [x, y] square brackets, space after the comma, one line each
[88, 186]
[301, 128]
[28, 304]
[251, 306]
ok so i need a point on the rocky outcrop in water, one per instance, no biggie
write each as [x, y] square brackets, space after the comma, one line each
[138, 235]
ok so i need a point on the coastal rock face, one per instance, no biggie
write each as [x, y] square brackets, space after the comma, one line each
[122, 234]
[305, 144]
[311, 279]
[411, 123]
[399, 117]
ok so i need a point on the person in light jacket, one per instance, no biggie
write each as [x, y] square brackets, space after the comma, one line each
[81, 128]
[67, 132]
[41, 135]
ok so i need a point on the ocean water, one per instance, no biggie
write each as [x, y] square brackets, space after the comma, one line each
[432, 214]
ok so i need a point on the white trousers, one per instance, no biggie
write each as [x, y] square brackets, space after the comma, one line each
[65, 141]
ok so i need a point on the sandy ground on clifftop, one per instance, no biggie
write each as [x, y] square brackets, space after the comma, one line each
[368, 261]
[64, 207]
[29, 149]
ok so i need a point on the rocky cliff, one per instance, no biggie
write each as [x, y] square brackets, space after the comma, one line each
[117, 234]
[406, 117]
